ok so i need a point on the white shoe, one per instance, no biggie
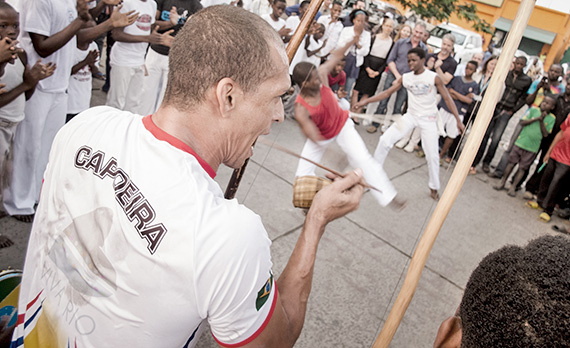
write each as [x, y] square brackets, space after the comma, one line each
[409, 148]
[400, 144]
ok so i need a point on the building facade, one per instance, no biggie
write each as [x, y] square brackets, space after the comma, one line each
[547, 32]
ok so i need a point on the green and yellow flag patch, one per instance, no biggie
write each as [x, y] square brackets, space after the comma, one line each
[264, 293]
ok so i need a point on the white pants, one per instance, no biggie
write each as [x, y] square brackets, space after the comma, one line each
[429, 136]
[358, 156]
[449, 123]
[155, 83]
[126, 88]
[45, 115]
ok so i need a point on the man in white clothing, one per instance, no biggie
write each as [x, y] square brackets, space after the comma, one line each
[128, 55]
[135, 243]
[49, 29]
[422, 86]
[333, 27]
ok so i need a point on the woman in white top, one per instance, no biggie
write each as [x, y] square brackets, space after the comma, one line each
[375, 62]
[356, 53]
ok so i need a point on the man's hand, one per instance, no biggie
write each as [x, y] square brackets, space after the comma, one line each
[154, 38]
[284, 31]
[36, 73]
[83, 10]
[339, 198]
[174, 16]
[355, 39]
[544, 84]
[362, 103]
[397, 80]
[121, 20]
[438, 64]
[167, 39]
[8, 50]
[461, 127]
[91, 57]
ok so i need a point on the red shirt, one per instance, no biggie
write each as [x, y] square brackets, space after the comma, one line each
[340, 79]
[561, 152]
[328, 116]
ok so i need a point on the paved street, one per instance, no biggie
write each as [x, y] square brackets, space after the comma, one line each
[363, 257]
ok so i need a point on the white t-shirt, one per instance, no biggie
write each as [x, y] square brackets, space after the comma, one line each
[48, 17]
[133, 53]
[346, 35]
[80, 83]
[260, 7]
[277, 25]
[13, 77]
[332, 33]
[134, 244]
[15, 4]
[292, 23]
[422, 93]
[380, 47]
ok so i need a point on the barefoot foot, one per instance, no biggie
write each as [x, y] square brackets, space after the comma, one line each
[434, 195]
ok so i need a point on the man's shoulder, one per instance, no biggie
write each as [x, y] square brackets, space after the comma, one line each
[526, 78]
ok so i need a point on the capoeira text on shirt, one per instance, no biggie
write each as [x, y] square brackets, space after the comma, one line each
[136, 207]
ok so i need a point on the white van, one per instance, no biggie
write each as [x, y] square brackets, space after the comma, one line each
[467, 42]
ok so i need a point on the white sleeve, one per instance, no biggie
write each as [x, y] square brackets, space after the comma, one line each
[234, 284]
[346, 35]
[37, 17]
[332, 39]
[364, 43]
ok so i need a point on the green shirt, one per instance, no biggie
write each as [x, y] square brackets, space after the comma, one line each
[531, 136]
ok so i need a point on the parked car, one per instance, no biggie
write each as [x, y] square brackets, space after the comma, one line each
[467, 43]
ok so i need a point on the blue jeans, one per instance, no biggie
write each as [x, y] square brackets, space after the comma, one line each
[505, 158]
[495, 132]
[401, 96]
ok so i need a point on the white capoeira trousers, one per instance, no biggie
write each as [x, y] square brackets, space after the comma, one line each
[126, 87]
[429, 136]
[155, 83]
[44, 116]
[358, 156]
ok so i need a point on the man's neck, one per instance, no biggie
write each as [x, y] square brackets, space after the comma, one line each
[176, 123]
[468, 78]
[414, 43]
[420, 70]
[274, 17]
[309, 93]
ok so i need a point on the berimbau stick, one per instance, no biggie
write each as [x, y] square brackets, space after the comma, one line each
[457, 177]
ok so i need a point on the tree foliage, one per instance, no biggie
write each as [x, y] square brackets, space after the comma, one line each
[441, 10]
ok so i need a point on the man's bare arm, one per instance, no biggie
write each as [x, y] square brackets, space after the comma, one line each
[294, 284]
[449, 102]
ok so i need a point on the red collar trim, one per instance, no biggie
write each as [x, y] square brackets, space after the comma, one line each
[177, 143]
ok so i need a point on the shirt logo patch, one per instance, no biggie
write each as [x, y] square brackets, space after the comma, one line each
[264, 293]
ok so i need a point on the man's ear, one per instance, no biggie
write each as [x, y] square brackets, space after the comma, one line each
[227, 94]
[449, 333]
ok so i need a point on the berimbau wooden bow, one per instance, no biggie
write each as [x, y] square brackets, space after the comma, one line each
[292, 47]
[457, 178]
